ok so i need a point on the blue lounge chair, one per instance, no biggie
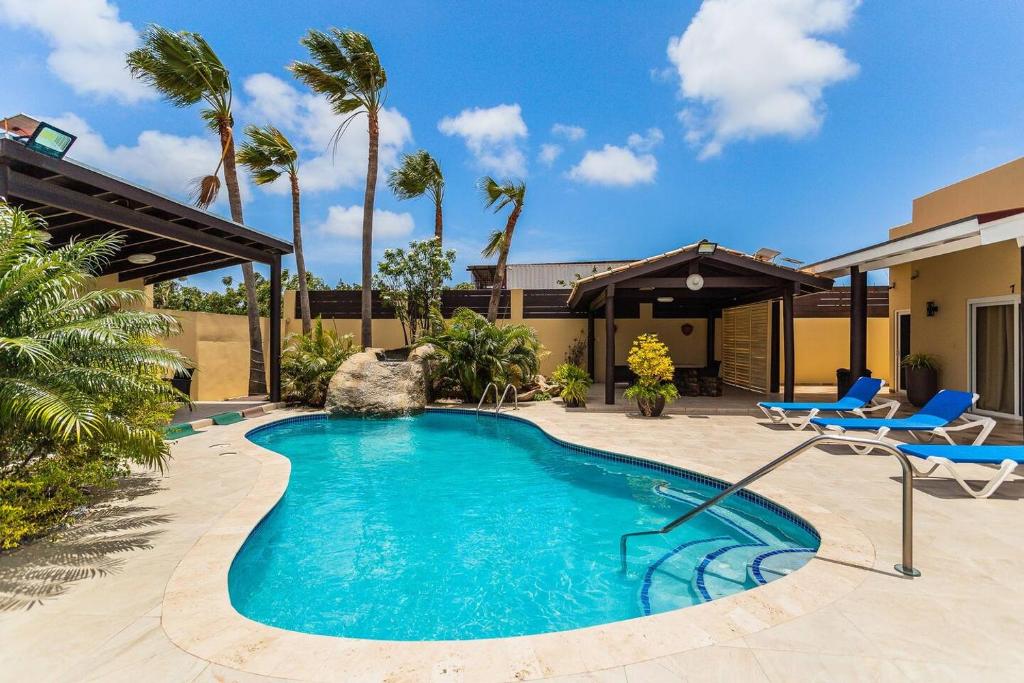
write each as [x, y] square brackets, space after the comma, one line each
[938, 417]
[859, 399]
[1007, 458]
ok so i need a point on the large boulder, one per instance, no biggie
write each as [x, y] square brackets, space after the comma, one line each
[366, 384]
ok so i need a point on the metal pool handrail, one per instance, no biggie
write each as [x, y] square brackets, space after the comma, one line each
[906, 567]
[515, 397]
[483, 396]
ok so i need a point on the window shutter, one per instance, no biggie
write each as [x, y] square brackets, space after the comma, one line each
[745, 346]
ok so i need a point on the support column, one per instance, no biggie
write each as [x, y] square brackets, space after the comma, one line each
[609, 345]
[275, 329]
[710, 352]
[774, 357]
[788, 344]
[1020, 336]
[858, 323]
[590, 344]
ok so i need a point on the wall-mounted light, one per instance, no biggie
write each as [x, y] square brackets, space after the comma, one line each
[931, 308]
[50, 140]
[705, 248]
[141, 259]
[665, 299]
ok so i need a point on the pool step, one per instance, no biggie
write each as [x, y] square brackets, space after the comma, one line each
[777, 563]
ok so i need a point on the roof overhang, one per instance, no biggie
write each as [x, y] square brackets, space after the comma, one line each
[964, 233]
[77, 201]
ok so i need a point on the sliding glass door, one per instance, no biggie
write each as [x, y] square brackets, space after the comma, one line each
[993, 354]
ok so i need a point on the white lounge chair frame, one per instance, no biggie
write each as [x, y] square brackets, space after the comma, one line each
[1006, 468]
[778, 415]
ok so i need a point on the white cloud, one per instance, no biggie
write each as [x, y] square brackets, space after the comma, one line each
[570, 133]
[615, 166]
[757, 67]
[161, 161]
[645, 142]
[492, 136]
[347, 221]
[88, 40]
[310, 124]
[548, 153]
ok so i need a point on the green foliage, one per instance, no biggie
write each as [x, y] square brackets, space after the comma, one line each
[267, 154]
[416, 175]
[575, 383]
[648, 392]
[472, 352]
[310, 360]
[542, 396]
[178, 296]
[411, 283]
[82, 389]
[920, 361]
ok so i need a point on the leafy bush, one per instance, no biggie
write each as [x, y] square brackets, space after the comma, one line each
[82, 389]
[651, 363]
[309, 361]
[920, 361]
[574, 381]
[410, 282]
[473, 352]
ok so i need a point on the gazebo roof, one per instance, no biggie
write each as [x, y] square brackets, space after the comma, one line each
[78, 201]
[730, 278]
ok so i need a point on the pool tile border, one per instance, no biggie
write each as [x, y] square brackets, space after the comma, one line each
[198, 617]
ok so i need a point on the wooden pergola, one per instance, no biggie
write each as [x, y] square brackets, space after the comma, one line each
[728, 278]
[173, 239]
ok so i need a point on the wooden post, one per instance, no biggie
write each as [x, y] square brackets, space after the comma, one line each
[858, 323]
[710, 353]
[609, 345]
[788, 342]
[1020, 337]
[774, 358]
[590, 345]
[275, 329]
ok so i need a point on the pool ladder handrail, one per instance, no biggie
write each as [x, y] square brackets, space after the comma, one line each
[498, 400]
[906, 567]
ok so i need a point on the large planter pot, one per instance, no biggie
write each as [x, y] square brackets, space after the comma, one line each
[651, 408]
[922, 384]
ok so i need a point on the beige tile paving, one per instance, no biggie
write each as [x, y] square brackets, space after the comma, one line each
[90, 604]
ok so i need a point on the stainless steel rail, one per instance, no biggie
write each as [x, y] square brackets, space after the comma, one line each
[483, 397]
[906, 567]
[515, 397]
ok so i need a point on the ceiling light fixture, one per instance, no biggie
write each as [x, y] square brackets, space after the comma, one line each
[665, 299]
[141, 259]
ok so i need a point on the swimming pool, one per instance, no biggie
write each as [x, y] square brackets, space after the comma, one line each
[447, 525]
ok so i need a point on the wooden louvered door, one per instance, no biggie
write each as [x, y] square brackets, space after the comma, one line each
[745, 346]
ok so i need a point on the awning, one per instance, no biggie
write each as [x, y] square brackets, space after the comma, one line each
[964, 233]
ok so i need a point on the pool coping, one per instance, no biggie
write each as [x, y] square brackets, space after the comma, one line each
[197, 614]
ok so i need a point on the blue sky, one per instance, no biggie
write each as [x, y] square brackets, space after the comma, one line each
[803, 125]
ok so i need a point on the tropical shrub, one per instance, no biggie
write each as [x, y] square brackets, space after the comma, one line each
[82, 378]
[473, 352]
[651, 363]
[920, 361]
[574, 382]
[310, 360]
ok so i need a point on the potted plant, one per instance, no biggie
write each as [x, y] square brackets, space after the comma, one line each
[574, 382]
[922, 377]
[650, 362]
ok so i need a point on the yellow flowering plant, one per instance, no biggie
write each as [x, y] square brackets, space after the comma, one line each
[651, 363]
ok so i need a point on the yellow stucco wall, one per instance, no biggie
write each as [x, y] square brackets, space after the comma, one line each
[823, 344]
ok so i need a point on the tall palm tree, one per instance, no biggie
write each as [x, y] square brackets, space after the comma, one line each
[511, 193]
[268, 155]
[346, 69]
[183, 67]
[417, 175]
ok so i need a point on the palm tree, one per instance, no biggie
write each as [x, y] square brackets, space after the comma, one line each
[268, 155]
[417, 175]
[185, 70]
[499, 196]
[347, 70]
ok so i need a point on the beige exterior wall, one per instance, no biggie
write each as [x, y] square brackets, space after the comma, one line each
[823, 344]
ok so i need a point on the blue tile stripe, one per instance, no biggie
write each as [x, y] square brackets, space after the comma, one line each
[645, 590]
[714, 555]
[642, 463]
[755, 567]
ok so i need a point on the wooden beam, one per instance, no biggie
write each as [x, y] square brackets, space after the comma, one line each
[789, 344]
[773, 374]
[161, 266]
[710, 282]
[185, 272]
[609, 345]
[710, 340]
[27, 187]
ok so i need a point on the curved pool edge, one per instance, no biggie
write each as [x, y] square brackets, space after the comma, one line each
[197, 614]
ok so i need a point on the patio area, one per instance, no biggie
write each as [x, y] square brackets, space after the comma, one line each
[90, 604]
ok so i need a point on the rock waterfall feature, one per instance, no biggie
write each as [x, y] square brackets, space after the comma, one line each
[380, 383]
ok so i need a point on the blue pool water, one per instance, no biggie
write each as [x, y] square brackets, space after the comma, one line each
[447, 525]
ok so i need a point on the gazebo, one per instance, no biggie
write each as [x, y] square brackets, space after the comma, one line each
[164, 239]
[698, 280]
